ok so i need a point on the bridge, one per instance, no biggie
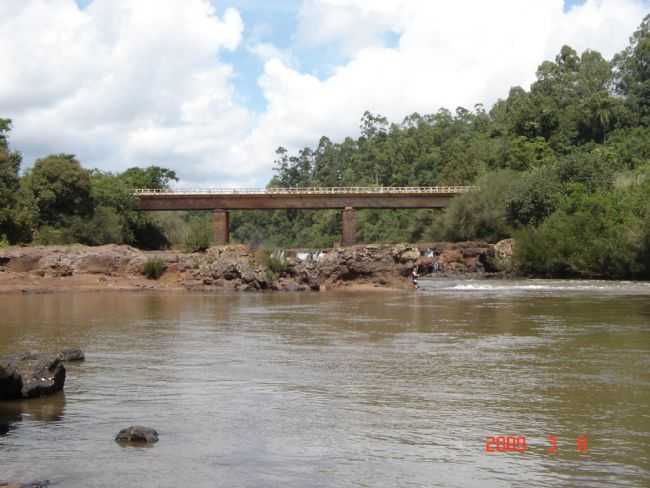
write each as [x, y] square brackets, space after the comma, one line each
[348, 199]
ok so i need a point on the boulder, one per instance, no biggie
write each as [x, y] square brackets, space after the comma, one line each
[36, 374]
[136, 434]
[11, 384]
[503, 251]
[71, 354]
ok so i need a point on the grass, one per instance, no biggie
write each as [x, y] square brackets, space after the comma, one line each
[154, 268]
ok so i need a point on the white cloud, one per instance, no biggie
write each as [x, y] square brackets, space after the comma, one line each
[355, 25]
[128, 82]
[267, 52]
[123, 82]
[449, 54]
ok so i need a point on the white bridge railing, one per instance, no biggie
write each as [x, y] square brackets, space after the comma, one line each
[337, 190]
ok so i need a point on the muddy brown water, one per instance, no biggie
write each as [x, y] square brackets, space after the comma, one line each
[336, 389]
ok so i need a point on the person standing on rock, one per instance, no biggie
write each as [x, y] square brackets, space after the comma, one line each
[414, 277]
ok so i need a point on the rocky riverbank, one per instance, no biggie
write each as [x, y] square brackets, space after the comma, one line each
[237, 267]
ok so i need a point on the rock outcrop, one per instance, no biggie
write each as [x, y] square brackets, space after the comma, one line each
[237, 267]
[371, 264]
[458, 257]
[30, 375]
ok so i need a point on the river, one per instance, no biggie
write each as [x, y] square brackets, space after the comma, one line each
[339, 389]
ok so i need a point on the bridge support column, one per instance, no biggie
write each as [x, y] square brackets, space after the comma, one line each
[220, 223]
[349, 237]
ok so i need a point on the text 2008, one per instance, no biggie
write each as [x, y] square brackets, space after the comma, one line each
[506, 444]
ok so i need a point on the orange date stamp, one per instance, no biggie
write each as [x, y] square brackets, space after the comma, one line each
[517, 443]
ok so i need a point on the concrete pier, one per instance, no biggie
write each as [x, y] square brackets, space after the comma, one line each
[349, 234]
[221, 226]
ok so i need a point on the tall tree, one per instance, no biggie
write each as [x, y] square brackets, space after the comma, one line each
[633, 72]
[9, 182]
[61, 188]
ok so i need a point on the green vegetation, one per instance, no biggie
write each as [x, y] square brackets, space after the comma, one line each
[154, 268]
[273, 261]
[563, 167]
[199, 234]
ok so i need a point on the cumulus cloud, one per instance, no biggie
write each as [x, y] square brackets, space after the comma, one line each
[449, 54]
[123, 82]
[127, 82]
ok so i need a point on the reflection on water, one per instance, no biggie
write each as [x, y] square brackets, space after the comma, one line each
[45, 409]
[338, 389]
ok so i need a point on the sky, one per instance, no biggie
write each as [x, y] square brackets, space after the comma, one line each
[211, 88]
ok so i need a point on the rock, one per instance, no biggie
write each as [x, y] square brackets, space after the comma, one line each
[38, 375]
[30, 484]
[136, 434]
[11, 384]
[71, 354]
[504, 248]
[236, 267]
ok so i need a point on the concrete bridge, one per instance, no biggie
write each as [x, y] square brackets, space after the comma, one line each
[348, 199]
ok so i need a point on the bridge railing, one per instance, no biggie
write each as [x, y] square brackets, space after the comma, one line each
[340, 190]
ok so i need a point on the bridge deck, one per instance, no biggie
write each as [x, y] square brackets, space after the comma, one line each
[305, 198]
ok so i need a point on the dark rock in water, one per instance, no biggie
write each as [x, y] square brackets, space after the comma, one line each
[137, 434]
[71, 354]
[31, 484]
[36, 374]
[11, 383]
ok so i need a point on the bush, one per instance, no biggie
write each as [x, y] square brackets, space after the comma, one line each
[54, 236]
[275, 264]
[479, 214]
[278, 264]
[4, 242]
[592, 235]
[104, 227]
[199, 235]
[154, 268]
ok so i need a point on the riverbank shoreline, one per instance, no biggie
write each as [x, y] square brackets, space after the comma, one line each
[28, 285]
[51, 269]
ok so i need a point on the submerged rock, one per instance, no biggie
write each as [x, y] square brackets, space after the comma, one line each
[136, 434]
[30, 375]
[71, 354]
[30, 484]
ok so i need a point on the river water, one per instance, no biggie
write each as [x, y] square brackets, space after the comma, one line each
[339, 389]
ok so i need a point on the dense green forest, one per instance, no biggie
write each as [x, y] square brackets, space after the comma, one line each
[563, 167]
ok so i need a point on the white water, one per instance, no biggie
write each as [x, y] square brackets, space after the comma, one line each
[534, 286]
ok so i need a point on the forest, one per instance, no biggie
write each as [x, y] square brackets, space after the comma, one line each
[563, 168]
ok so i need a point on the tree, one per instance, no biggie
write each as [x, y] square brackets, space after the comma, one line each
[533, 197]
[480, 214]
[632, 73]
[9, 182]
[151, 177]
[61, 188]
[591, 234]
